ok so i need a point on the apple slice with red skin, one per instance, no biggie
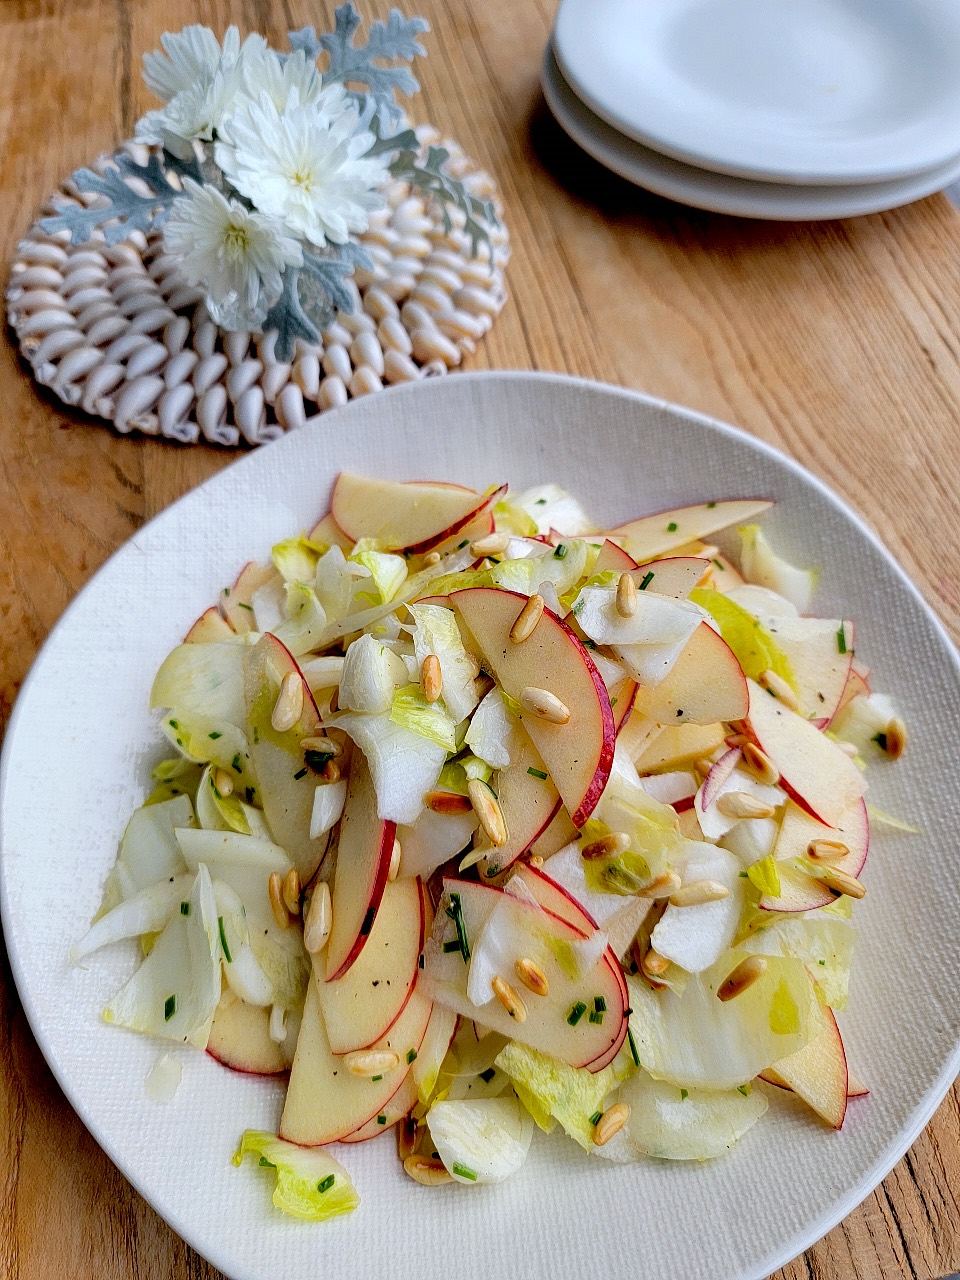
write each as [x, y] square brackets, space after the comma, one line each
[364, 1004]
[481, 527]
[857, 686]
[236, 602]
[364, 850]
[705, 685]
[412, 516]
[652, 536]
[817, 1073]
[328, 533]
[240, 1039]
[820, 670]
[579, 754]
[554, 837]
[610, 556]
[325, 1101]
[397, 1109]
[675, 577]
[679, 746]
[800, 892]
[529, 801]
[813, 770]
[210, 628]
[622, 699]
[285, 783]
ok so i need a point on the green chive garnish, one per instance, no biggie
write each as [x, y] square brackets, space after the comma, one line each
[841, 639]
[684, 1094]
[455, 912]
[487, 1076]
[235, 763]
[462, 1171]
[719, 564]
[537, 773]
[214, 736]
[376, 1078]
[223, 941]
[248, 607]
[326, 1183]
[711, 505]
[881, 740]
[576, 1013]
[560, 551]
[301, 774]
[184, 908]
[647, 579]
[169, 1008]
[672, 527]
[454, 945]
[744, 1089]
[599, 1004]
[266, 1164]
[595, 1118]
[464, 543]
[411, 1055]
[633, 1047]
[381, 1119]
[597, 1017]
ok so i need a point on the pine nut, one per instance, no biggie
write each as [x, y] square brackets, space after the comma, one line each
[895, 738]
[535, 860]
[223, 783]
[431, 678]
[447, 802]
[654, 964]
[317, 921]
[275, 893]
[544, 704]
[740, 804]
[827, 850]
[487, 808]
[698, 892]
[289, 705]
[527, 620]
[291, 891]
[509, 999]
[838, 881]
[331, 771]
[626, 596]
[428, 1172]
[662, 887]
[746, 973]
[326, 746]
[430, 559]
[760, 764]
[532, 977]
[608, 846]
[371, 1062]
[494, 544]
[610, 1123]
[776, 685]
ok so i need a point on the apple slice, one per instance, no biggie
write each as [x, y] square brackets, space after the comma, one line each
[675, 577]
[800, 892]
[679, 746]
[325, 1100]
[529, 801]
[813, 770]
[364, 850]
[611, 556]
[820, 653]
[622, 699]
[557, 1024]
[209, 628]
[705, 685]
[857, 685]
[399, 1106]
[554, 837]
[817, 1073]
[412, 516]
[240, 1039]
[286, 783]
[579, 754]
[327, 532]
[364, 1004]
[655, 535]
[236, 602]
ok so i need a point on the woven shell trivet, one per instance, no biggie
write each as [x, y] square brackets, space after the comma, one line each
[110, 328]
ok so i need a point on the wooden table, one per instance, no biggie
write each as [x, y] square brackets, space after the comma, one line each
[838, 342]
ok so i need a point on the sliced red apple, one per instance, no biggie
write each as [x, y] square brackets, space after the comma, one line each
[364, 1004]
[655, 535]
[236, 602]
[555, 837]
[364, 850]
[286, 785]
[578, 754]
[481, 527]
[325, 1100]
[412, 517]
[705, 685]
[813, 770]
[399, 1106]
[819, 658]
[613, 557]
[622, 699]
[240, 1039]
[209, 628]
[675, 577]
[326, 532]
[798, 891]
[679, 746]
[817, 1073]
[857, 686]
[529, 801]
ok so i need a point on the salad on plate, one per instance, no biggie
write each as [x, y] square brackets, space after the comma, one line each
[481, 819]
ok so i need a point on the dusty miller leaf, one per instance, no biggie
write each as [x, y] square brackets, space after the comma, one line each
[353, 64]
[125, 210]
[288, 317]
[431, 178]
[313, 294]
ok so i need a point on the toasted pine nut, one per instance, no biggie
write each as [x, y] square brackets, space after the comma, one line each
[626, 596]
[275, 893]
[760, 765]
[325, 746]
[331, 771]
[662, 887]
[223, 783]
[611, 1122]
[544, 704]
[698, 892]
[431, 678]
[291, 891]
[532, 977]
[317, 921]
[426, 1171]
[487, 808]
[371, 1062]
[746, 973]
[289, 705]
[776, 685]
[509, 999]
[609, 846]
[430, 559]
[740, 804]
[838, 881]
[535, 860]
[394, 861]
[494, 544]
[447, 802]
[895, 738]
[827, 850]
[653, 963]
[527, 620]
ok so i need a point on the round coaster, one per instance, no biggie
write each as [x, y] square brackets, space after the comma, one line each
[113, 330]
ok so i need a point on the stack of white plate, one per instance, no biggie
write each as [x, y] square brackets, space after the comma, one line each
[787, 109]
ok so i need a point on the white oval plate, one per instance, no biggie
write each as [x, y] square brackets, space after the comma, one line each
[808, 91]
[75, 762]
[718, 192]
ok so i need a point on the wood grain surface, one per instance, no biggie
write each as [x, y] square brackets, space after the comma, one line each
[839, 342]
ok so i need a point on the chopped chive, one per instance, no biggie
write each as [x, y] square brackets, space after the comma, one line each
[541, 502]
[249, 607]
[420, 963]
[881, 740]
[588, 643]
[744, 1089]
[376, 1077]
[169, 1008]
[455, 912]
[613, 702]
[633, 1047]
[214, 736]
[537, 773]
[368, 920]
[249, 793]
[256, 735]
[711, 505]
[596, 1117]
[719, 564]
[576, 1013]
[223, 941]
[597, 1017]
[647, 579]
[301, 773]
[316, 760]
[464, 543]
[462, 1171]
[560, 551]
[743, 875]
[822, 963]
[411, 1055]
[487, 1076]
[235, 763]
[672, 527]
[184, 908]
[381, 1119]
[599, 1004]
[326, 1183]
[454, 944]
[841, 639]
[684, 1094]
[266, 1164]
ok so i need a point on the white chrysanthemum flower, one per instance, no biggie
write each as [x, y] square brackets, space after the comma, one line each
[190, 57]
[304, 166]
[235, 255]
[279, 77]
